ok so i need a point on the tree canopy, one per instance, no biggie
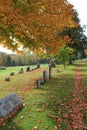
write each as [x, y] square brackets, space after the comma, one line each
[35, 24]
[79, 40]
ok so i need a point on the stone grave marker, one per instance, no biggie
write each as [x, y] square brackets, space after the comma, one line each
[45, 76]
[8, 104]
[27, 69]
[20, 71]
[14, 100]
[38, 83]
[12, 74]
[5, 108]
[38, 66]
[50, 71]
[7, 79]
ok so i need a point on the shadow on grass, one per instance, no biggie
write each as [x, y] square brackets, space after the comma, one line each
[58, 97]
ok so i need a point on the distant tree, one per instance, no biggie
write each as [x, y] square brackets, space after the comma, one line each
[64, 55]
[3, 58]
[9, 61]
[13, 63]
[20, 62]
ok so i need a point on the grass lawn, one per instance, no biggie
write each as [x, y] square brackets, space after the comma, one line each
[44, 108]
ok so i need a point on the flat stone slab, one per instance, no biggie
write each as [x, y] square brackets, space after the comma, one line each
[8, 104]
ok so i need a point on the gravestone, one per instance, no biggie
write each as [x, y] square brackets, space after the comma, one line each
[38, 66]
[5, 108]
[2, 68]
[14, 100]
[28, 69]
[38, 83]
[45, 76]
[8, 104]
[12, 74]
[20, 71]
[50, 71]
[7, 79]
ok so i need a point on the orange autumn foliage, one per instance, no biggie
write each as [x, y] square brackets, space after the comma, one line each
[36, 24]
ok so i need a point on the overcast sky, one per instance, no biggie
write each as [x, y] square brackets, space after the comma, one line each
[5, 50]
[81, 7]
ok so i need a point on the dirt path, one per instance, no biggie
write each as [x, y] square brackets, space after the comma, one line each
[78, 105]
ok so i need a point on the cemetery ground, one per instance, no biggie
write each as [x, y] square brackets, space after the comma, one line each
[51, 107]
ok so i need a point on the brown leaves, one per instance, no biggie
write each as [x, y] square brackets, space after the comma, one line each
[75, 116]
[57, 119]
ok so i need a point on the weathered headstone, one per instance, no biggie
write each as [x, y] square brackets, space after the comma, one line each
[38, 66]
[45, 76]
[38, 83]
[8, 104]
[20, 71]
[14, 100]
[12, 74]
[50, 71]
[5, 108]
[28, 69]
[7, 79]
[2, 68]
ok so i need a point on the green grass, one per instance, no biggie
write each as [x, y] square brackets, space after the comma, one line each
[84, 72]
[42, 107]
[17, 68]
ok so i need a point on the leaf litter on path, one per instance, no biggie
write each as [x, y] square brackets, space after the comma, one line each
[75, 116]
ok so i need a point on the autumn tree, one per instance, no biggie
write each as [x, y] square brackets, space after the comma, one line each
[35, 24]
